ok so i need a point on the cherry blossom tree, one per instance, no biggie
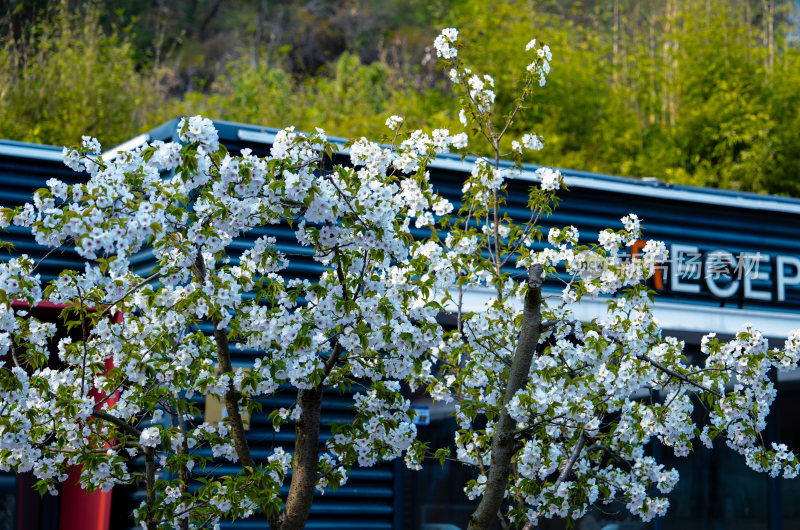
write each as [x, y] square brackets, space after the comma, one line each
[544, 401]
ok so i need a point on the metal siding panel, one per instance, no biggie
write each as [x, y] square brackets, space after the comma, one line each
[19, 180]
[589, 207]
[706, 226]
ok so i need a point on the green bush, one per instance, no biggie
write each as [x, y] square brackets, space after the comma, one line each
[67, 77]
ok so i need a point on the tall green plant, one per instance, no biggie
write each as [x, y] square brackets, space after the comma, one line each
[66, 76]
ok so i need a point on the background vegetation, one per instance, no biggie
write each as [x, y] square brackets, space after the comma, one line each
[703, 92]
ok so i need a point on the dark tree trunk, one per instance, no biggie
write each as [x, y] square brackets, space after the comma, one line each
[503, 439]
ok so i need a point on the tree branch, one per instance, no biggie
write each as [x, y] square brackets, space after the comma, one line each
[331, 362]
[547, 324]
[231, 396]
[673, 373]
[576, 452]
[131, 290]
[231, 399]
[121, 424]
[183, 450]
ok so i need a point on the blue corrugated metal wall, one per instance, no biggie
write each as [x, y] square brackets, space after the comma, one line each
[24, 168]
[370, 499]
[668, 213]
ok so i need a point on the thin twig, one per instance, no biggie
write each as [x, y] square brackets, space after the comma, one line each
[644, 357]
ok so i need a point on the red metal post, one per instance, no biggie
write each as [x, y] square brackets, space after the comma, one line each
[80, 509]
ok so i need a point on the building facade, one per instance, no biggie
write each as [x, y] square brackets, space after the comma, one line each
[735, 258]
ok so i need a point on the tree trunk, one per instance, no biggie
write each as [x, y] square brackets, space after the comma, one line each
[304, 463]
[306, 451]
[231, 397]
[150, 480]
[503, 439]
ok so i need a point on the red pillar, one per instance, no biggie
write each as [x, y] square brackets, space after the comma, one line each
[81, 510]
[78, 508]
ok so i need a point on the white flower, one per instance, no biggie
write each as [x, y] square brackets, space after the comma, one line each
[460, 140]
[199, 129]
[393, 122]
[443, 42]
[550, 178]
[150, 437]
[91, 144]
[451, 34]
[533, 142]
[442, 207]
[632, 225]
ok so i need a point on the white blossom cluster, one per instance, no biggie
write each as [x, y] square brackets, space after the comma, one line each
[444, 43]
[580, 434]
[393, 122]
[529, 141]
[607, 361]
[541, 64]
[375, 302]
[383, 428]
[481, 91]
